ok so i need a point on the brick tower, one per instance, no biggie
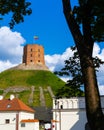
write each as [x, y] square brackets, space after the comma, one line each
[33, 54]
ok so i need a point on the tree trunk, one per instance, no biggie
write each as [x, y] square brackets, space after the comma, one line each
[84, 45]
[92, 98]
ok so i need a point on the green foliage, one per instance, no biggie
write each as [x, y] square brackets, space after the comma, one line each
[18, 8]
[73, 69]
[69, 91]
[94, 10]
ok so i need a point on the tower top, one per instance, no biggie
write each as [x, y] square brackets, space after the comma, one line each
[33, 54]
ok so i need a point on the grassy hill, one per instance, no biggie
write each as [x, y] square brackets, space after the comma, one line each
[20, 82]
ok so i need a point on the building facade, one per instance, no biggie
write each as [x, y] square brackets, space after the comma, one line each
[70, 114]
[15, 115]
[33, 54]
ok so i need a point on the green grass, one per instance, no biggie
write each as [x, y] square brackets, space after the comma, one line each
[36, 98]
[28, 78]
[1, 92]
[24, 96]
[7, 96]
[48, 99]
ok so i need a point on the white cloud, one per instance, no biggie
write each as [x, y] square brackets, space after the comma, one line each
[5, 65]
[10, 48]
[98, 51]
[56, 62]
[100, 74]
[11, 53]
[101, 89]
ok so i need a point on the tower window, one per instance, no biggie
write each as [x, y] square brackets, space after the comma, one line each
[31, 55]
[38, 60]
[31, 61]
[38, 50]
[31, 49]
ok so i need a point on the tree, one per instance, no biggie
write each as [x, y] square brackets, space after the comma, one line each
[18, 8]
[68, 91]
[85, 23]
[72, 69]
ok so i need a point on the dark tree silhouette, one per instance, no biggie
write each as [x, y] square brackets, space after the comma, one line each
[72, 69]
[85, 22]
[18, 8]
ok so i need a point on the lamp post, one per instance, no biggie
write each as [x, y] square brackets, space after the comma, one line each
[55, 114]
[57, 109]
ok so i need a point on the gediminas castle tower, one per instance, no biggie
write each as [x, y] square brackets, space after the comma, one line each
[33, 58]
[33, 54]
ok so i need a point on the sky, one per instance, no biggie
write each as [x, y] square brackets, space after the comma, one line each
[47, 21]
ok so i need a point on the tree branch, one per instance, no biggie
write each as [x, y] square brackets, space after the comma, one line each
[73, 26]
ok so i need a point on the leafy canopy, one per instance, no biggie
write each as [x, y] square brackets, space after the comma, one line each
[73, 69]
[95, 11]
[18, 9]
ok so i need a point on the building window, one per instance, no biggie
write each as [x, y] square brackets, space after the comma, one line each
[30, 55]
[22, 124]
[31, 61]
[38, 60]
[31, 49]
[7, 121]
[38, 55]
[61, 106]
[38, 50]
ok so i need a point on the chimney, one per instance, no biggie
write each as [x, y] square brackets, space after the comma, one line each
[1, 97]
[12, 97]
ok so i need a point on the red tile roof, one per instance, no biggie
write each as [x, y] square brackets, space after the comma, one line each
[29, 120]
[14, 105]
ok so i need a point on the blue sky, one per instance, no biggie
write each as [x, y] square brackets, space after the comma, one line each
[47, 21]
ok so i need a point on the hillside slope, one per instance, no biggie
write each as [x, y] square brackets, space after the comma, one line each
[28, 78]
[31, 86]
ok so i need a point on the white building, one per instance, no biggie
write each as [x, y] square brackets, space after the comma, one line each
[15, 115]
[70, 114]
